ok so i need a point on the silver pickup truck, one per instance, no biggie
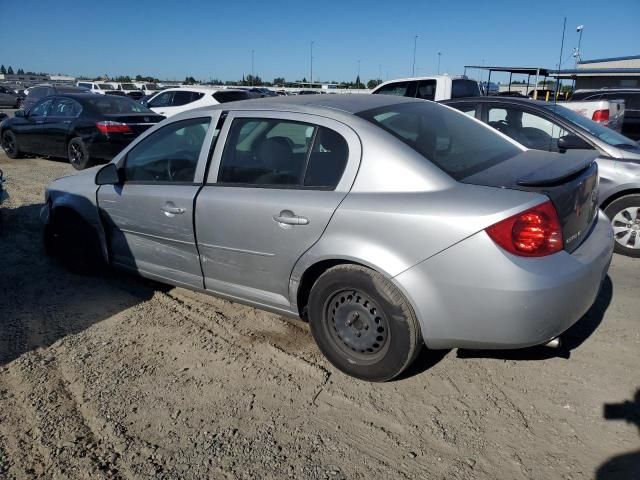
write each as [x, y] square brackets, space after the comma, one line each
[609, 113]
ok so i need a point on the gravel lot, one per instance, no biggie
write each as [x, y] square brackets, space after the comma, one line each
[118, 377]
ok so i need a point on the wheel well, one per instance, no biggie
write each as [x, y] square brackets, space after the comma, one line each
[617, 195]
[66, 214]
[310, 276]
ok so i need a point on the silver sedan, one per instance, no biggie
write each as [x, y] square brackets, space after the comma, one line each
[387, 222]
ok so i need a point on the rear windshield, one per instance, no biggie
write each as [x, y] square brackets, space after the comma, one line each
[110, 104]
[605, 134]
[464, 88]
[106, 86]
[128, 86]
[224, 97]
[459, 145]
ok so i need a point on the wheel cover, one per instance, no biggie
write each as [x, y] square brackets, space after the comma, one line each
[75, 153]
[357, 326]
[626, 227]
[8, 143]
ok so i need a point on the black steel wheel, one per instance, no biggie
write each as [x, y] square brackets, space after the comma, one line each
[362, 323]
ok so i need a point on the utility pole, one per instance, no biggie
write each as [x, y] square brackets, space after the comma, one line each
[576, 52]
[415, 44]
[439, 55]
[252, 68]
[359, 80]
[311, 79]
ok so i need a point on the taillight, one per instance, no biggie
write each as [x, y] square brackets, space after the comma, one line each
[113, 127]
[601, 116]
[533, 233]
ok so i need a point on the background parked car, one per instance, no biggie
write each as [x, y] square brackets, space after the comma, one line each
[82, 127]
[129, 89]
[101, 88]
[176, 100]
[9, 98]
[631, 97]
[38, 92]
[436, 88]
[545, 126]
[148, 88]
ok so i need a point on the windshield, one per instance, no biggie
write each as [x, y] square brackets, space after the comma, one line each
[459, 145]
[112, 104]
[605, 134]
[106, 86]
[128, 86]
[152, 86]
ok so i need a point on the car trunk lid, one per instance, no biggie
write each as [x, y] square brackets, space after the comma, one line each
[138, 122]
[570, 180]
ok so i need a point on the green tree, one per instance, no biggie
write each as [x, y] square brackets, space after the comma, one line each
[279, 81]
[2, 69]
[10, 70]
[373, 83]
[20, 71]
[256, 81]
[189, 81]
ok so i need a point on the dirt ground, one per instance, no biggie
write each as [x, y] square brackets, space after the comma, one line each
[118, 377]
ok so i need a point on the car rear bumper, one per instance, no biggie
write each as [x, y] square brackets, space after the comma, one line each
[105, 148]
[476, 295]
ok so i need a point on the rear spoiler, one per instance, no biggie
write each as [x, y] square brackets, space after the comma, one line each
[557, 168]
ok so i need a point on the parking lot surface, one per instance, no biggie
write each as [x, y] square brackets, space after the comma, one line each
[113, 376]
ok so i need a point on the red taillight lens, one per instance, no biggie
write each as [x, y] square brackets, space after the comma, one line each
[601, 116]
[113, 127]
[533, 233]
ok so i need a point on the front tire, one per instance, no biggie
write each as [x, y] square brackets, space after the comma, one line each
[363, 324]
[78, 154]
[10, 145]
[71, 241]
[624, 214]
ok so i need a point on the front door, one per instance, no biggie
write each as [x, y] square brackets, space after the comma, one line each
[149, 216]
[29, 130]
[272, 189]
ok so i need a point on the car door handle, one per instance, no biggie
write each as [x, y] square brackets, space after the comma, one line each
[170, 210]
[287, 217]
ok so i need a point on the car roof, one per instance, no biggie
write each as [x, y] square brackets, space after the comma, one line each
[347, 103]
[497, 99]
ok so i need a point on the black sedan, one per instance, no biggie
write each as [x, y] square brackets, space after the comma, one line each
[84, 128]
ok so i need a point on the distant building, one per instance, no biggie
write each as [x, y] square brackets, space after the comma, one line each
[23, 78]
[612, 72]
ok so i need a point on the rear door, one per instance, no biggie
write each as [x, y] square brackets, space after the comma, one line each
[275, 181]
[149, 216]
[56, 125]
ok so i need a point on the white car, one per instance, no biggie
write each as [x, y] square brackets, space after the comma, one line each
[436, 87]
[180, 99]
[101, 88]
[129, 89]
[148, 88]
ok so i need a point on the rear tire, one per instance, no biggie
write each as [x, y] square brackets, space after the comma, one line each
[72, 242]
[78, 154]
[363, 324]
[624, 214]
[10, 145]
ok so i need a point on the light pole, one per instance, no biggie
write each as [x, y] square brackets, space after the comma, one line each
[439, 55]
[252, 68]
[311, 57]
[576, 52]
[415, 44]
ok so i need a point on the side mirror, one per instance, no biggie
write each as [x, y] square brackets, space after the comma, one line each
[108, 175]
[572, 142]
[20, 114]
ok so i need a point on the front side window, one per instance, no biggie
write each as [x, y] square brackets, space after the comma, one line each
[162, 100]
[532, 131]
[453, 142]
[65, 107]
[398, 88]
[183, 98]
[289, 154]
[168, 155]
[41, 109]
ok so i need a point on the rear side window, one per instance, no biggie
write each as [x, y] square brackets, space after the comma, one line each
[65, 107]
[41, 109]
[224, 97]
[427, 90]
[111, 104]
[281, 153]
[455, 143]
[464, 88]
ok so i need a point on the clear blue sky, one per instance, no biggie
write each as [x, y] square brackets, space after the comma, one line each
[173, 39]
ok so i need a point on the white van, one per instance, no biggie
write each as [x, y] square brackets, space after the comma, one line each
[436, 88]
[101, 88]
